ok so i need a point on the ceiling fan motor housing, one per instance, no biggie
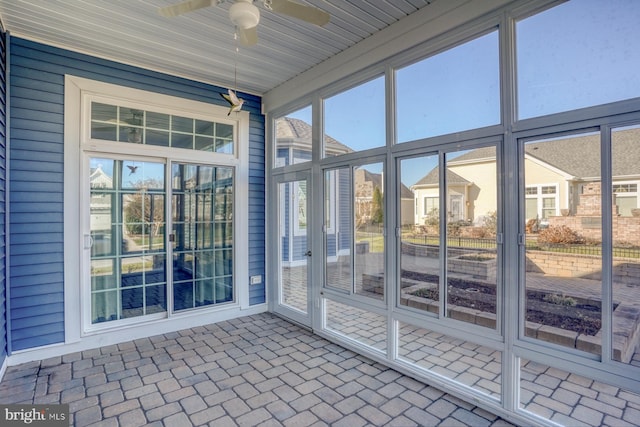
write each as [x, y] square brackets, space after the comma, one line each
[244, 14]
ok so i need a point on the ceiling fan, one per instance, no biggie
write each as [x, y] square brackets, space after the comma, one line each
[245, 15]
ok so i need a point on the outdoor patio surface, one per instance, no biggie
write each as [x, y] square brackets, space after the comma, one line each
[255, 370]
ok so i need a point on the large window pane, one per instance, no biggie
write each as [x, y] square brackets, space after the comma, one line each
[293, 138]
[578, 54]
[420, 243]
[456, 90]
[361, 108]
[363, 326]
[471, 209]
[625, 154]
[563, 243]
[574, 400]
[368, 211]
[464, 362]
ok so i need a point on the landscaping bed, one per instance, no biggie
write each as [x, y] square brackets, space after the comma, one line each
[572, 314]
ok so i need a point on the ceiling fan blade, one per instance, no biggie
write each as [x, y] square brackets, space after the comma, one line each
[248, 36]
[184, 7]
[309, 14]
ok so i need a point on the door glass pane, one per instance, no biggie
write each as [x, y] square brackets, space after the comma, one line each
[337, 227]
[293, 138]
[578, 54]
[368, 211]
[419, 240]
[293, 246]
[127, 224]
[472, 194]
[456, 90]
[563, 267]
[202, 210]
[625, 156]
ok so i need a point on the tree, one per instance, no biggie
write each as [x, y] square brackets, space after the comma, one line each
[144, 211]
[377, 210]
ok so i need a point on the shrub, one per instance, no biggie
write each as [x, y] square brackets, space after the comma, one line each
[559, 235]
[559, 300]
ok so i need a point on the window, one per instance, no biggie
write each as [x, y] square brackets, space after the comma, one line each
[563, 263]
[625, 236]
[136, 126]
[355, 247]
[540, 201]
[431, 206]
[456, 90]
[293, 138]
[366, 114]
[577, 54]
[626, 198]
[160, 222]
[299, 210]
[470, 283]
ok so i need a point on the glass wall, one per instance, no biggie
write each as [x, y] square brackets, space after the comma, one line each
[492, 254]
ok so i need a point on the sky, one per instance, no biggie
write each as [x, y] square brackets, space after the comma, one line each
[578, 54]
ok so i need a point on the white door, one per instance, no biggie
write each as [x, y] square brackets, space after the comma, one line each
[292, 218]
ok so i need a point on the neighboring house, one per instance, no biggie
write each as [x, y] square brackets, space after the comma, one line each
[554, 179]
[294, 146]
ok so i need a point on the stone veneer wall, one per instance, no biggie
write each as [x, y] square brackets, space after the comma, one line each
[588, 223]
[625, 270]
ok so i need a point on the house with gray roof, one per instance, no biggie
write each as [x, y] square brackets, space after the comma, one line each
[555, 179]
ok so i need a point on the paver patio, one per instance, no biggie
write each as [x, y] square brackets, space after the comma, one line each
[255, 370]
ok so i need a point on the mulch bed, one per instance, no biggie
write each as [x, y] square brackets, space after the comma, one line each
[583, 318]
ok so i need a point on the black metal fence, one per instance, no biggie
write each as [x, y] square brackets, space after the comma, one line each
[483, 243]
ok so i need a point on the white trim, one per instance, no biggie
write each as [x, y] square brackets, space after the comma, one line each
[3, 368]
[78, 94]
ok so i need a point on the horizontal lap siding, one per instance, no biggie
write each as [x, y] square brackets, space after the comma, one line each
[3, 187]
[36, 173]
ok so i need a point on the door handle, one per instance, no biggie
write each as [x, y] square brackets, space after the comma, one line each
[308, 253]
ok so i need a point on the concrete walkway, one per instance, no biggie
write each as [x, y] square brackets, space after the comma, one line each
[256, 370]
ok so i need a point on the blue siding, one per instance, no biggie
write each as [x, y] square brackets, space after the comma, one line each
[36, 173]
[3, 187]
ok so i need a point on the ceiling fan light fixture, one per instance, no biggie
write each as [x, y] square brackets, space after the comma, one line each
[244, 14]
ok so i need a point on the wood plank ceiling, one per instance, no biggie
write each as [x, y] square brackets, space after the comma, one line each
[200, 45]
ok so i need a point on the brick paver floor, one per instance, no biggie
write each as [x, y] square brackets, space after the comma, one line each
[255, 370]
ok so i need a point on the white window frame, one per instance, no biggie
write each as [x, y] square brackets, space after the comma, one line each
[539, 196]
[629, 194]
[79, 92]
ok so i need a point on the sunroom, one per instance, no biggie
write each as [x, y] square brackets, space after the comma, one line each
[447, 188]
